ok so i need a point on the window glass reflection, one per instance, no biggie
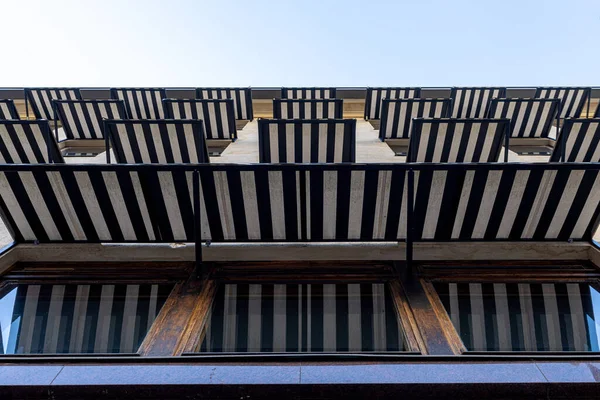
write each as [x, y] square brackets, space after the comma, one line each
[303, 318]
[523, 316]
[78, 318]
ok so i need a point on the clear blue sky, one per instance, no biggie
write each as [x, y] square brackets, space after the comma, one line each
[303, 42]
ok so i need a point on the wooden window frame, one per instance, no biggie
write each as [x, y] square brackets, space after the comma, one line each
[300, 272]
[179, 327]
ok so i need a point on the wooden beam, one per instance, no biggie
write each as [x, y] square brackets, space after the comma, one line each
[352, 251]
[171, 329]
[409, 325]
[194, 332]
[438, 337]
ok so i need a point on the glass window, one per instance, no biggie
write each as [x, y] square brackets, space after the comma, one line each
[523, 316]
[78, 318]
[356, 317]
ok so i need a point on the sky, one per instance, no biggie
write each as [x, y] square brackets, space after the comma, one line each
[260, 43]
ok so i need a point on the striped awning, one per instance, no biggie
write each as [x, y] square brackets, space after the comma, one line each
[83, 119]
[506, 202]
[40, 99]
[473, 102]
[579, 139]
[308, 109]
[157, 141]
[141, 103]
[242, 99]
[27, 142]
[8, 110]
[572, 99]
[376, 95]
[308, 93]
[529, 118]
[306, 141]
[457, 139]
[397, 115]
[291, 202]
[217, 115]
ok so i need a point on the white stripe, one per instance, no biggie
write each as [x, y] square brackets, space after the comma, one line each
[156, 138]
[354, 318]
[577, 318]
[329, 204]
[379, 326]
[54, 319]
[512, 206]
[339, 143]
[274, 143]
[169, 194]
[250, 204]
[539, 203]
[357, 192]
[438, 183]
[65, 204]
[224, 204]
[440, 140]
[279, 318]
[127, 344]
[306, 142]
[402, 224]
[29, 318]
[389, 125]
[329, 318]
[552, 318]
[115, 194]
[477, 317]
[39, 205]
[462, 205]
[204, 215]
[277, 209]
[91, 203]
[290, 145]
[423, 143]
[588, 210]
[104, 319]
[141, 201]
[490, 192]
[254, 317]
[9, 143]
[14, 208]
[486, 153]
[502, 317]
[472, 140]
[529, 338]
[384, 182]
[454, 306]
[565, 203]
[230, 318]
[79, 318]
[322, 157]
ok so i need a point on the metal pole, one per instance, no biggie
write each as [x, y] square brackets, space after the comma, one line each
[587, 113]
[106, 144]
[506, 141]
[26, 106]
[409, 223]
[48, 135]
[562, 149]
[55, 120]
[197, 224]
